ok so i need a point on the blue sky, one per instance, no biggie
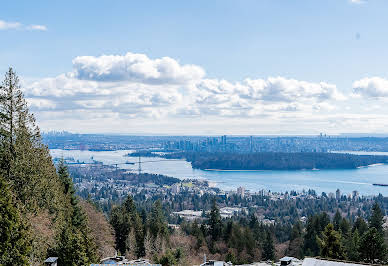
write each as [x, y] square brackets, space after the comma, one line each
[338, 42]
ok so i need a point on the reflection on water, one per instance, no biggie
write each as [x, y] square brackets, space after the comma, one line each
[322, 181]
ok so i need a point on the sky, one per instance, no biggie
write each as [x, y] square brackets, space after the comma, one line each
[252, 67]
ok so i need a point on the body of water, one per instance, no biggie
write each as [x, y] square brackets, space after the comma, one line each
[280, 181]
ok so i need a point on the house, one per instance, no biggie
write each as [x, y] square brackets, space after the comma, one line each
[286, 260]
[52, 261]
[216, 263]
[122, 261]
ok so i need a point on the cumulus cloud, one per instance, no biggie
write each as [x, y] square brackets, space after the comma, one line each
[135, 68]
[134, 86]
[7, 25]
[264, 95]
[374, 87]
[40, 104]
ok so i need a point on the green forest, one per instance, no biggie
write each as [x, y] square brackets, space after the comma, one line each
[276, 160]
[141, 233]
[41, 215]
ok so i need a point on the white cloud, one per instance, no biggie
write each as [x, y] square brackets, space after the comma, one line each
[37, 27]
[135, 68]
[7, 25]
[374, 87]
[358, 2]
[40, 104]
[133, 90]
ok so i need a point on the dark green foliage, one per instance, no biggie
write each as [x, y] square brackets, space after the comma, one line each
[215, 225]
[38, 190]
[230, 257]
[376, 219]
[170, 258]
[315, 226]
[352, 247]
[372, 247]
[360, 225]
[337, 220]
[75, 246]
[268, 248]
[277, 160]
[157, 224]
[295, 246]
[330, 243]
[122, 220]
[15, 245]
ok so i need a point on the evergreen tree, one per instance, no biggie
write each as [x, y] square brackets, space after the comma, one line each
[268, 247]
[215, 226]
[296, 241]
[344, 228]
[360, 225]
[121, 225]
[76, 247]
[38, 189]
[157, 222]
[353, 247]
[15, 245]
[330, 243]
[337, 220]
[376, 219]
[372, 247]
[310, 246]
[123, 218]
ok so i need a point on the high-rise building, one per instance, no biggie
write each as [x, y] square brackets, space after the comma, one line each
[223, 140]
[241, 191]
[355, 195]
[338, 194]
[175, 188]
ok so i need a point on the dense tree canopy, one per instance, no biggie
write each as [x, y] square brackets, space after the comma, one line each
[276, 160]
[45, 218]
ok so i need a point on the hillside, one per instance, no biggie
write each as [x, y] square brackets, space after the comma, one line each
[40, 214]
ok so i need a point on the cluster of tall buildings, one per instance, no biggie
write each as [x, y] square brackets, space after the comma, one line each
[210, 144]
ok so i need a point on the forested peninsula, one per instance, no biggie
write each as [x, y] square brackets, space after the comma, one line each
[274, 160]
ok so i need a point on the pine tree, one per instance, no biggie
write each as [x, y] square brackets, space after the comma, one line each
[76, 247]
[313, 229]
[372, 247]
[123, 218]
[337, 220]
[353, 247]
[215, 226]
[157, 222]
[360, 225]
[376, 219]
[330, 243]
[25, 161]
[15, 244]
[11, 104]
[268, 247]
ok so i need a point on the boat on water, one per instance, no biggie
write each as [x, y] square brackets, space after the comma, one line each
[381, 185]
[128, 162]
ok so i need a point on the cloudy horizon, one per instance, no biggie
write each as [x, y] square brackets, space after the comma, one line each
[239, 78]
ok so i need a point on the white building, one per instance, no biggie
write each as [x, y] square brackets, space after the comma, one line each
[241, 191]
